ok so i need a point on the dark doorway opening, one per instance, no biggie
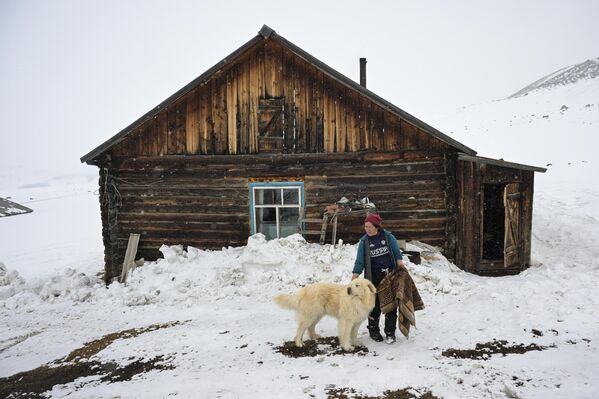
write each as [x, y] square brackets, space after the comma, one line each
[493, 222]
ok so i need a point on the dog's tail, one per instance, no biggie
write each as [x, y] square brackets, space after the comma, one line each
[286, 301]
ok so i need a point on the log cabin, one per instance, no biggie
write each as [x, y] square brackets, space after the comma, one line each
[271, 133]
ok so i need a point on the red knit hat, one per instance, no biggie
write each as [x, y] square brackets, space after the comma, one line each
[375, 219]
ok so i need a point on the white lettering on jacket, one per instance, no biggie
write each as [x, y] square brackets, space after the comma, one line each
[379, 251]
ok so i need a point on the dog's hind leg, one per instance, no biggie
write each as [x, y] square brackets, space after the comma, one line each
[302, 326]
[312, 330]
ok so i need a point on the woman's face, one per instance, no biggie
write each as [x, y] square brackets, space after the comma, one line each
[370, 229]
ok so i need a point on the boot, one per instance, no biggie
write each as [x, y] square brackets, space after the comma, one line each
[375, 336]
[373, 331]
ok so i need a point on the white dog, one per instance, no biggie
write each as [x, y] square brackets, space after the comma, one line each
[350, 304]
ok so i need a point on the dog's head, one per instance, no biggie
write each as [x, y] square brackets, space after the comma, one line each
[361, 288]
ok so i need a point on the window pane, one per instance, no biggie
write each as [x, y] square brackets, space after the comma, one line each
[266, 222]
[268, 196]
[288, 222]
[290, 196]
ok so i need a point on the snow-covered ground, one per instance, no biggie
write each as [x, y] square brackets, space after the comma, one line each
[225, 345]
[63, 231]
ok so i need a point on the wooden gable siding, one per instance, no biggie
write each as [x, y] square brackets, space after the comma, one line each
[203, 201]
[320, 114]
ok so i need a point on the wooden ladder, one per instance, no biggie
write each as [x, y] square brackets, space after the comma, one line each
[323, 229]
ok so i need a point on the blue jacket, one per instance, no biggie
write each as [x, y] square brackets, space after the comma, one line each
[361, 256]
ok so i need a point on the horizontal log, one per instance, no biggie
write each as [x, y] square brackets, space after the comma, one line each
[185, 232]
[376, 187]
[187, 200]
[214, 160]
[186, 225]
[155, 244]
[183, 217]
[192, 208]
[184, 192]
[224, 236]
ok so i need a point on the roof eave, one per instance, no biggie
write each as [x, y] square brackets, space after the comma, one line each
[500, 162]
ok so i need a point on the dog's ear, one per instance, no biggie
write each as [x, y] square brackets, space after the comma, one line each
[371, 287]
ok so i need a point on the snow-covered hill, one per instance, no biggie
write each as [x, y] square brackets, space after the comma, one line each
[556, 125]
[588, 69]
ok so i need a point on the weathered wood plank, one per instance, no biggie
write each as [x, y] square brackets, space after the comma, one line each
[219, 142]
[192, 128]
[176, 116]
[253, 95]
[231, 99]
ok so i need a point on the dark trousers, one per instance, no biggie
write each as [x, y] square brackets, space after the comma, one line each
[373, 318]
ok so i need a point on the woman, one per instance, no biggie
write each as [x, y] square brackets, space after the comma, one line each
[382, 256]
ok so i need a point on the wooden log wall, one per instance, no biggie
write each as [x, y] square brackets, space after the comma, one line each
[471, 178]
[318, 114]
[203, 201]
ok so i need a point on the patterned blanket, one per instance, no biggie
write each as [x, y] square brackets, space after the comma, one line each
[397, 290]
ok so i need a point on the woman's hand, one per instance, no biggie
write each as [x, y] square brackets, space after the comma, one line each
[354, 276]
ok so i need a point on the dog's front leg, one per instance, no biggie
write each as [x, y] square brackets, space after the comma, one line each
[345, 335]
[354, 335]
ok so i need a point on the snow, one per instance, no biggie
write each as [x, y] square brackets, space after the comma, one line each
[64, 229]
[535, 130]
[53, 302]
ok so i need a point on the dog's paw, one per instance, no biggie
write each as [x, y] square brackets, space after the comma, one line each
[348, 348]
[315, 336]
[357, 342]
[299, 344]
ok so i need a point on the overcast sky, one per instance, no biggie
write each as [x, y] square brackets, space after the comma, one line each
[74, 73]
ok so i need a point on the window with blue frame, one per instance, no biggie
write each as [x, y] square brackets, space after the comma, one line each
[275, 208]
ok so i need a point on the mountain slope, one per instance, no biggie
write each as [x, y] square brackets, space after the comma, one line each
[553, 122]
[588, 69]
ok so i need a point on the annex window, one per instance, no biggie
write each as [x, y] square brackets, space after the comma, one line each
[275, 208]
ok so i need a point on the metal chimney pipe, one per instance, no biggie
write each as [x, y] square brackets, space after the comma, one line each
[363, 72]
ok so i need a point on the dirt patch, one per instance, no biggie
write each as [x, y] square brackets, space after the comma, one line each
[334, 392]
[33, 383]
[326, 346]
[127, 372]
[89, 349]
[484, 351]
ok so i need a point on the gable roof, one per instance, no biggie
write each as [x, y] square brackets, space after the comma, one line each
[264, 34]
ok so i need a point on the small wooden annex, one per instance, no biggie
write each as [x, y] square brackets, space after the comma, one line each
[271, 132]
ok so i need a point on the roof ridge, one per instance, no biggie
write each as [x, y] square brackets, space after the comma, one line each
[266, 31]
